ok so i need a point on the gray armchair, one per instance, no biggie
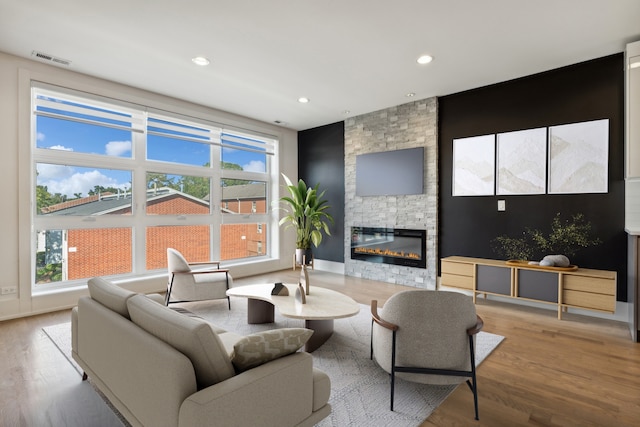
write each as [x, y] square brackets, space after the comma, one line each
[188, 284]
[427, 337]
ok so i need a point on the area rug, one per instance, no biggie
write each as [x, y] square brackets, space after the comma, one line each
[359, 387]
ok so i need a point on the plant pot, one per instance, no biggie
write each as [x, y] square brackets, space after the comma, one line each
[304, 256]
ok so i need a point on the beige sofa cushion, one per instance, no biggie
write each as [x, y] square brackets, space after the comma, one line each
[256, 349]
[192, 336]
[111, 296]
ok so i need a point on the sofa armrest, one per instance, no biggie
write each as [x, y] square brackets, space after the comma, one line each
[278, 393]
[156, 297]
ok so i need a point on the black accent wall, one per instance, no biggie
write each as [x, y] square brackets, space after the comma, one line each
[587, 91]
[321, 160]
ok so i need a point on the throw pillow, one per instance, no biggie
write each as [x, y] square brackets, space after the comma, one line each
[256, 349]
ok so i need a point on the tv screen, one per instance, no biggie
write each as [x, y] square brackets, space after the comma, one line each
[390, 173]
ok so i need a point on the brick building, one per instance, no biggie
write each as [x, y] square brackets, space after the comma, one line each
[107, 251]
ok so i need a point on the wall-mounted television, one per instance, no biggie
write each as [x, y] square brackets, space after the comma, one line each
[390, 173]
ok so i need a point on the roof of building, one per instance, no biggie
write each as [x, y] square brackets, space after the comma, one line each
[103, 204]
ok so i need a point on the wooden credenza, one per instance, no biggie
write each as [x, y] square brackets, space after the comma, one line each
[582, 288]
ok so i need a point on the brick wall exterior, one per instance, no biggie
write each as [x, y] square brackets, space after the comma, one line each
[101, 252]
[98, 252]
[245, 206]
[242, 240]
[191, 240]
[176, 205]
[404, 126]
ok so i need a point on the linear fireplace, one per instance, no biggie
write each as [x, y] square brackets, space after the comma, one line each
[389, 246]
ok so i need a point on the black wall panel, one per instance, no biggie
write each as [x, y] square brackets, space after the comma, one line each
[321, 160]
[587, 91]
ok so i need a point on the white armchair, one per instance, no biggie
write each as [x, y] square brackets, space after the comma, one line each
[188, 284]
[427, 337]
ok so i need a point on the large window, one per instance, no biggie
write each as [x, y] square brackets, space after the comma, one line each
[115, 184]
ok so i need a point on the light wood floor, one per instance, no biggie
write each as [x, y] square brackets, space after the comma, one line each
[580, 371]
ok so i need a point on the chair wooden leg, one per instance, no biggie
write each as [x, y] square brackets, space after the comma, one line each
[84, 376]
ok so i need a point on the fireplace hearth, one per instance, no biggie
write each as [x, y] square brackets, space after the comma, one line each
[389, 246]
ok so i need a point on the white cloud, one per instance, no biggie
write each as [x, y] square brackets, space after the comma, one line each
[64, 180]
[60, 147]
[40, 136]
[48, 172]
[254, 166]
[117, 148]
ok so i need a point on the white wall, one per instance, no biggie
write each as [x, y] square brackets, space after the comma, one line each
[15, 251]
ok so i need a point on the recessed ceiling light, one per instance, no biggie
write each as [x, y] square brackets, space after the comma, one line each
[345, 112]
[410, 95]
[200, 60]
[303, 100]
[425, 59]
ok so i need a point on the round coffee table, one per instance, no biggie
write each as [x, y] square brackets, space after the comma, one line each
[322, 307]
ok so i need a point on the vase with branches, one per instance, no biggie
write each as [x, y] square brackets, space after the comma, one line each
[566, 237]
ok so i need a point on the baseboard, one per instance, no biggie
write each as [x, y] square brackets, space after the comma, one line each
[329, 266]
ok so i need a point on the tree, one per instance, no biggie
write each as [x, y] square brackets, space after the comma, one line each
[227, 182]
[194, 186]
[157, 180]
[45, 199]
[99, 189]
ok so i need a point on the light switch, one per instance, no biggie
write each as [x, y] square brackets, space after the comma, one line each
[502, 206]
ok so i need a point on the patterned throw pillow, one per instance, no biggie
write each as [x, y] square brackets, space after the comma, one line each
[256, 349]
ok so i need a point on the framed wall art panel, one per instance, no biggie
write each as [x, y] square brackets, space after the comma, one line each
[474, 166]
[522, 162]
[579, 157]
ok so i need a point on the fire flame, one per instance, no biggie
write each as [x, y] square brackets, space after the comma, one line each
[386, 252]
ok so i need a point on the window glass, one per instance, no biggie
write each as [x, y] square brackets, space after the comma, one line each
[178, 143]
[71, 126]
[243, 153]
[204, 188]
[177, 194]
[76, 190]
[192, 241]
[240, 196]
[242, 240]
[82, 253]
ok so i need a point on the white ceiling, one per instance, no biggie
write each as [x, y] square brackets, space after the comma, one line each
[355, 55]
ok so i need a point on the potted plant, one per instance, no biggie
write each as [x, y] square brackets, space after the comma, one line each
[306, 212]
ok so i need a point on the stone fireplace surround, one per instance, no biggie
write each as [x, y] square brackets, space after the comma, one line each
[405, 126]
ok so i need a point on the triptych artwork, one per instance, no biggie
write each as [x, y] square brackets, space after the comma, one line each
[570, 158]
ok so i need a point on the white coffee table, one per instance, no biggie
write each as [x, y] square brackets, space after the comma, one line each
[322, 307]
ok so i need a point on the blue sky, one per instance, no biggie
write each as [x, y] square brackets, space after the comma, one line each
[85, 138]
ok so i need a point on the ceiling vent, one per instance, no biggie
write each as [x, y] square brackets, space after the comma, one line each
[50, 58]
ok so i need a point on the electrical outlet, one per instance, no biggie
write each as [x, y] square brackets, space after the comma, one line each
[9, 290]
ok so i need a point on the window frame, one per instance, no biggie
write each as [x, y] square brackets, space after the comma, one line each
[139, 165]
